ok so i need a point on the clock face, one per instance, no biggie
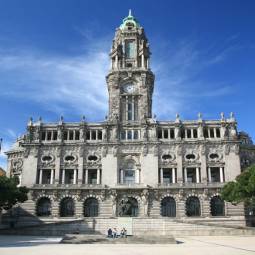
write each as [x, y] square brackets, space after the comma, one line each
[128, 88]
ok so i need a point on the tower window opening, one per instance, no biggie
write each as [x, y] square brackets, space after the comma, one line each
[130, 48]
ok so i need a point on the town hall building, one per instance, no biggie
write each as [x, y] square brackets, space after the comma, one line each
[130, 165]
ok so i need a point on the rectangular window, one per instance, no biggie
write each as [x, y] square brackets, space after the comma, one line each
[129, 135]
[92, 176]
[160, 133]
[172, 133]
[188, 133]
[49, 135]
[46, 173]
[136, 108]
[99, 135]
[130, 48]
[165, 134]
[55, 135]
[206, 133]
[123, 135]
[194, 133]
[167, 177]
[65, 135]
[191, 175]
[43, 135]
[130, 115]
[215, 174]
[94, 135]
[217, 132]
[77, 135]
[87, 135]
[211, 133]
[70, 134]
[135, 134]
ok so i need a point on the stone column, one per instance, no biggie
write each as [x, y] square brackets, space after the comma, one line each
[197, 175]
[161, 176]
[86, 176]
[142, 61]
[51, 176]
[173, 175]
[63, 176]
[137, 176]
[40, 176]
[121, 176]
[98, 176]
[74, 176]
[221, 175]
[185, 175]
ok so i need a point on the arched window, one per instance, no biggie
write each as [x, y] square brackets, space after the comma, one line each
[217, 206]
[193, 207]
[128, 207]
[67, 207]
[168, 207]
[43, 207]
[91, 207]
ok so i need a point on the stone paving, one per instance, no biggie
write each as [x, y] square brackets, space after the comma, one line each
[220, 245]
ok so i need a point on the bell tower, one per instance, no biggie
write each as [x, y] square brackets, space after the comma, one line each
[130, 81]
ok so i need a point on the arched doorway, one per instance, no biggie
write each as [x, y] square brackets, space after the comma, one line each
[128, 207]
[43, 207]
[67, 207]
[168, 207]
[193, 207]
[91, 207]
[217, 206]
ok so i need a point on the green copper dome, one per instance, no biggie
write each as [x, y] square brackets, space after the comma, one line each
[129, 21]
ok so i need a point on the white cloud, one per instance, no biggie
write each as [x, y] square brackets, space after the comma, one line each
[66, 84]
[61, 84]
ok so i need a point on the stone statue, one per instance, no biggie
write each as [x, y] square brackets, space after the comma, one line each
[145, 201]
[113, 196]
[200, 131]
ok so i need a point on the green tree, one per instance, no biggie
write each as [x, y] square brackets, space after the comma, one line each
[10, 194]
[242, 189]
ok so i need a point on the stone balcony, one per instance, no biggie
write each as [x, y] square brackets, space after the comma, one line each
[191, 185]
[68, 186]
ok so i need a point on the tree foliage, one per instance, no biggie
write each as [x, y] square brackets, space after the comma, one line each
[242, 189]
[10, 194]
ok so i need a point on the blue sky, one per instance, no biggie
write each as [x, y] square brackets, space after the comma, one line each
[54, 58]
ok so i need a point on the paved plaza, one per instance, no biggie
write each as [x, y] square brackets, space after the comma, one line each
[27, 245]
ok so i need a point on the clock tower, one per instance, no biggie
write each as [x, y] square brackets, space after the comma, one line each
[130, 80]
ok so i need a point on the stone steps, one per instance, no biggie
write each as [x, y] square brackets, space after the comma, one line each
[140, 226]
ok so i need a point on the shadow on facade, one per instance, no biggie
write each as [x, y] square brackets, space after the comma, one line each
[19, 222]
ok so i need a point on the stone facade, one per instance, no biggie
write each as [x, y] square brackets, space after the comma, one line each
[131, 164]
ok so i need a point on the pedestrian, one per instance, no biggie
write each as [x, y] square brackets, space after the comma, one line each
[109, 233]
[115, 233]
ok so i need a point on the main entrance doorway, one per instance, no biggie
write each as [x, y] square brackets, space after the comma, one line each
[128, 207]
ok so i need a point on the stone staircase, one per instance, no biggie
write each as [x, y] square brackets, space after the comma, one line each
[140, 227]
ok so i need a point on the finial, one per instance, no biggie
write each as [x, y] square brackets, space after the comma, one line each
[232, 116]
[61, 120]
[83, 118]
[39, 120]
[30, 122]
[129, 12]
[222, 116]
